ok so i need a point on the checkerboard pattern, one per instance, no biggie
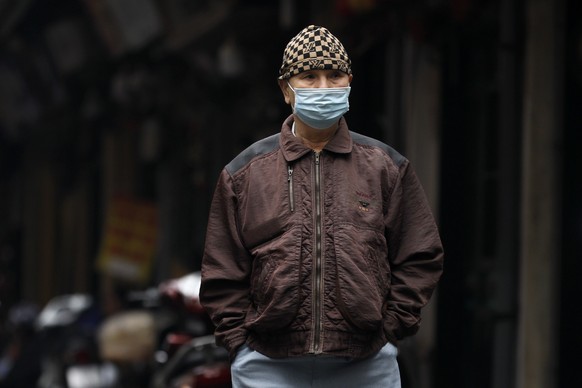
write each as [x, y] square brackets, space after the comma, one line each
[314, 48]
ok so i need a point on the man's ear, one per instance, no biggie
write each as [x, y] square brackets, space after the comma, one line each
[284, 86]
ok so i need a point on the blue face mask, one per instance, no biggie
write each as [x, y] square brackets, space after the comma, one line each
[320, 108]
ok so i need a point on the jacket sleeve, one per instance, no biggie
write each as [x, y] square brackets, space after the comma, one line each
[226, 266]
[415, 254]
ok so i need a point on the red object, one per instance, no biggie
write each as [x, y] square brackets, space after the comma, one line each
[174, 341]
[207, 376]
[216, 375]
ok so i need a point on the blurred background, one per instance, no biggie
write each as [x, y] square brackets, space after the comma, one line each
[116, 117]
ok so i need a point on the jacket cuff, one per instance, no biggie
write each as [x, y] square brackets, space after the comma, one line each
[394, 328]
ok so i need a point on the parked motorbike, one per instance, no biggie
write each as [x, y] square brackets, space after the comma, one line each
[129, 338]
[164, 339]
[66, 329]
[161, 338]
[188, 356]
[196, 363]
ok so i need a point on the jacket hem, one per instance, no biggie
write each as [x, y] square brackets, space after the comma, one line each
[336, 344]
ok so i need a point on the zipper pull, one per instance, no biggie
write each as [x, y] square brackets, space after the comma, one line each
[316, 157]
[290, 184]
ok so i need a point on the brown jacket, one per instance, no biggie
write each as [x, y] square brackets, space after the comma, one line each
[331, 253]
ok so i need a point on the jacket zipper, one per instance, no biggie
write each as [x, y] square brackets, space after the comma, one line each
[318, 270]
[290, 183]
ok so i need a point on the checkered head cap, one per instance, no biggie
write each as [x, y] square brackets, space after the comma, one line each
[314, 48]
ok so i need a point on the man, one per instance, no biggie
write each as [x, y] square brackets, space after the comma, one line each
[321, 248]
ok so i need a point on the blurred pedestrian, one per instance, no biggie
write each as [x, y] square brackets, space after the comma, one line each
[321, 248]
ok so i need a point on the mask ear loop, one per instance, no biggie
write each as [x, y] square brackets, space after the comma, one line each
[295, 93]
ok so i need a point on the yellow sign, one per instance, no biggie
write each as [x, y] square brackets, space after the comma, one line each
[130, 238]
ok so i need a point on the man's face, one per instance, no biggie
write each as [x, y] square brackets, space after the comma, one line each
[314, 79]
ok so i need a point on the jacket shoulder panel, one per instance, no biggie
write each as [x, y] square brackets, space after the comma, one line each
[371, 142]
[259, 148]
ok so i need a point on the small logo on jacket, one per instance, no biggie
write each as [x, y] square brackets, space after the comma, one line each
[364, 201]
[363, 205]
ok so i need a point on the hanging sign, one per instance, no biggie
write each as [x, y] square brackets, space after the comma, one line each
[129, 241]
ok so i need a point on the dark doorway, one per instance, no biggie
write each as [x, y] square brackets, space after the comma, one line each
[570, 319]
[480, 197]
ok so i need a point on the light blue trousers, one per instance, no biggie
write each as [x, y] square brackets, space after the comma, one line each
[251, 369]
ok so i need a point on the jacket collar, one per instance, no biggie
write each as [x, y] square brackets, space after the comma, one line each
[293, 148]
